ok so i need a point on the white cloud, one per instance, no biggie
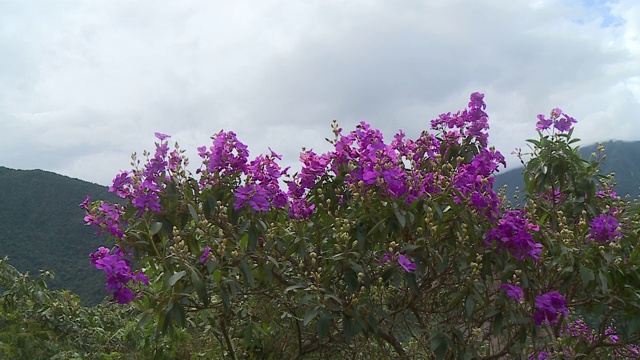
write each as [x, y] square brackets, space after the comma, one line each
[83, 84]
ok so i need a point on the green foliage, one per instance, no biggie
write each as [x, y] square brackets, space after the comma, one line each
[39, 323]
[620, 158]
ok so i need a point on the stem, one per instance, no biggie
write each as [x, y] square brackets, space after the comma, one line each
[227, 340]
[394, 343]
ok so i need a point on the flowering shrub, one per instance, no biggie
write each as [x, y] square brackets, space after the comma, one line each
[375, 248]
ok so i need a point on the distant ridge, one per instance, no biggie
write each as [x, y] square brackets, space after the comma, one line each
[623, 159]
[43, 229]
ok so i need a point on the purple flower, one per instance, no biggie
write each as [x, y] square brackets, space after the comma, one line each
[513, 234]
[162, 136]
[205, 254]
[604, 228]
[85, 203]
[122, 185]
[406, 264]
[549, 305]
[564, 123]
[612, 335]
[513, 291]
[119, 274]
[542, 355]
[543, 124]
[106, 217]
[385, 258]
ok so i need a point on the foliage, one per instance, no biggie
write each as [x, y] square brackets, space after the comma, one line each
[377, 249]
[613, 157]
[39, 323]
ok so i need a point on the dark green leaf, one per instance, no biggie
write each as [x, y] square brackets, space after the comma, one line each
[310, 315]
[155, 228]
[175, 277]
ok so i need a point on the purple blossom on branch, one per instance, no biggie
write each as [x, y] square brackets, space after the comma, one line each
[604, 228]
[513, 291]
[549, 305]
[560, 121]
[513, 234]
[119, 273]
[385, 258]
[543, 124]
[161, 136]
[406, 264]
[205, 254]
[542, 355]
[564, 123]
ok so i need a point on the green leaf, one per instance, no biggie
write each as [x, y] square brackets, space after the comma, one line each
[351, 328]
[603, 282]
[293, 288]
[310, 315]
[468, 306]
[225, 300]
[175, 277]
[244, 241]
[217, 275]
[253, 239]
[351, 279]
[587, 275]
[324, 324]
[400, 216]
[247, 273]
[411, 281]
[496, 325]
[200, 288]
[439, 346]
[155, 228]
[444, 262]
[193, 212]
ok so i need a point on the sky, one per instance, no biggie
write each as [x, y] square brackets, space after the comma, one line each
[83, 84]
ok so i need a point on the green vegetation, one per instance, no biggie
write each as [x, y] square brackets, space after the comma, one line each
[622, 159]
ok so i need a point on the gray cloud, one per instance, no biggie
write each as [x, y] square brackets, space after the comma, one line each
[84, 84]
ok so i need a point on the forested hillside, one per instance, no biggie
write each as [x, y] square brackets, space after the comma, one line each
[43, 228]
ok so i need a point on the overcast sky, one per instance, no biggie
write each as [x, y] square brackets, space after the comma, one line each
[83, 84]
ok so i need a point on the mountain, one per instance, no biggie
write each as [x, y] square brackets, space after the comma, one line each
[623, 159]
[42, 228]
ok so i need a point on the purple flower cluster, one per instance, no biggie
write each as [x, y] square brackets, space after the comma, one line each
[470, 123]
[261, 189]
[143, 186]
[401, 169]
[542, 355]
[604, 228]
[227, 157]
[119, 273]
[560, 121]
[513, 234]
[581, 331]
[105, 216]
[549, 305]
[474, 180]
